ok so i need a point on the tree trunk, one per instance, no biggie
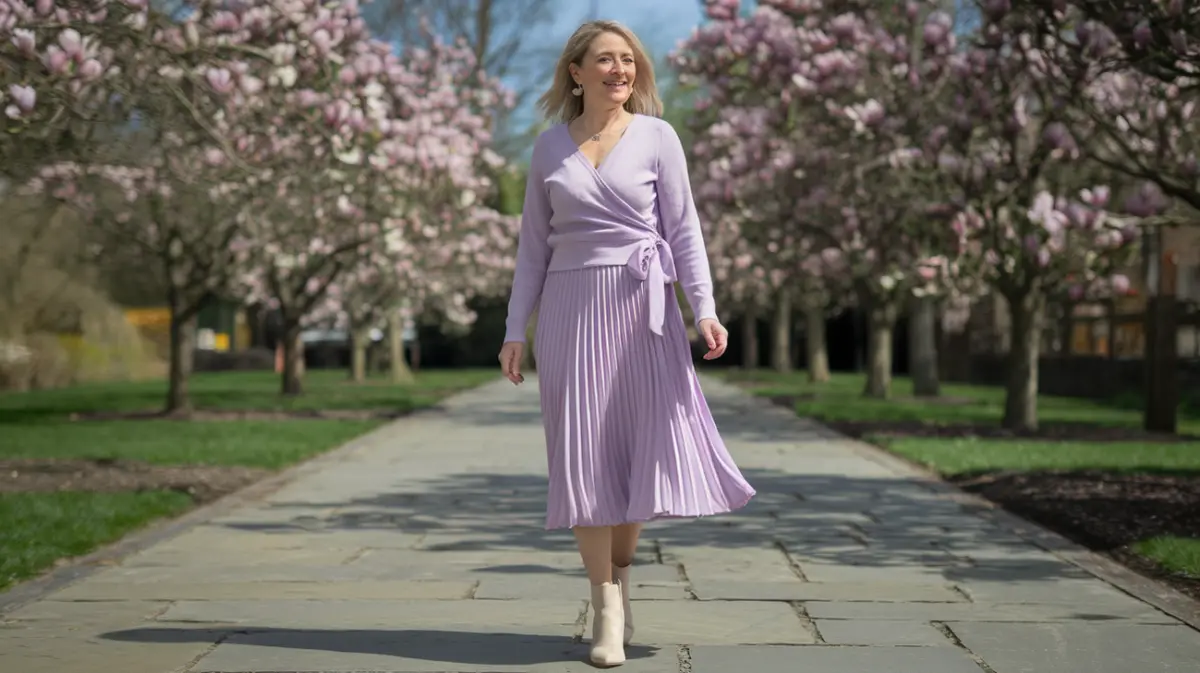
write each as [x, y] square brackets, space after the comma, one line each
[881, 321]
[750, 340]
[1162, 343]
[1020, 399]
[922, 347]
[814, 340]
[182, 358]
[781, 333]
[360, 341]
[414, 355]
[400, 371]
[1162, 382]
[293, 359]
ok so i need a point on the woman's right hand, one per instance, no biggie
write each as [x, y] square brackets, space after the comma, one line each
[510, 361]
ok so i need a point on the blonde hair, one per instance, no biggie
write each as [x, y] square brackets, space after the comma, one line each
[559, 104]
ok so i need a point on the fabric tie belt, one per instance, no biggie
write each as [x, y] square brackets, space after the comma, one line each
[652, 261]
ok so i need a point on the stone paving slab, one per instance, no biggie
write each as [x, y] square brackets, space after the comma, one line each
[913, 569]
[280, 572]
[556, 587]
[422, 548]
[61, 636]
[193, 591]
[825, 591]
[239, 559]
[514, 562]
[80, 614]
[877, 632]
[708, 659]
[983, 612]
[1082, 647]
[719, 623]
[210, 538]
[66, 649]
[1074, 592]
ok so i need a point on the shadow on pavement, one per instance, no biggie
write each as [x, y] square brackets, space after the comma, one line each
[818, 519]
[455, 647]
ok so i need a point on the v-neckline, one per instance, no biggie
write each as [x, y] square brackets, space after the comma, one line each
[603, 161]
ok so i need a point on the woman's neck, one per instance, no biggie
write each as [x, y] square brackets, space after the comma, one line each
[596, 120]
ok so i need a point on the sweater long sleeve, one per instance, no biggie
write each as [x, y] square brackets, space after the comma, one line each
[681, 225]
[533, 254]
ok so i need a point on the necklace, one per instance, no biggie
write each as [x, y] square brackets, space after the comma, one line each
[595, 137]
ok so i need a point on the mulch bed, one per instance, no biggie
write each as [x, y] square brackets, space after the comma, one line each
[204, 483]
[1103, 511]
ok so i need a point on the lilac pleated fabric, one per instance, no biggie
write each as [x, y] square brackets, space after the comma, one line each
[629, 436]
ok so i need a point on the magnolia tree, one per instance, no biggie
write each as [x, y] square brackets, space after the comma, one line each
[280, 143]
[176, 220]
[1030, 229]
[746, 192]
[393, 150]
[1140, 113]
[851, 91]
[1141, 59]
[402, 278]
[741, 277]
[159, 187]
[60, 65]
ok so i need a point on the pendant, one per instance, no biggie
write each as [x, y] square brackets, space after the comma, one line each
[596, 138]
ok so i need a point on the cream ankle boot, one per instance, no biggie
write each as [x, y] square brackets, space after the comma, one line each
[608, 625]
[621, 577]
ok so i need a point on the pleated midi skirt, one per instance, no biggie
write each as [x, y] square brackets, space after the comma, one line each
[629, 436]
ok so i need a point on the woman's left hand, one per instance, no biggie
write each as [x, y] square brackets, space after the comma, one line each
[716, 336]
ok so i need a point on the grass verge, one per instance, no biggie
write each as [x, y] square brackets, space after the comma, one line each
[38, 529]
[959, 404]
[69, 484]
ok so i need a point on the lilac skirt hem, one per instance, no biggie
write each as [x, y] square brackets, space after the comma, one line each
[629, 435]
[661, 516]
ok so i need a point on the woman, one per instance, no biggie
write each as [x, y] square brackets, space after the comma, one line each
[609, 224]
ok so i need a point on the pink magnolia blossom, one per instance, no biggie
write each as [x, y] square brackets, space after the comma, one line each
[24, 97]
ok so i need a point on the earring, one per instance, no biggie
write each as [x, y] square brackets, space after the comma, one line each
[578, 90]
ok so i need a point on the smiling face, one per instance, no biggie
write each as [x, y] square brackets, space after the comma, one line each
[607, 71]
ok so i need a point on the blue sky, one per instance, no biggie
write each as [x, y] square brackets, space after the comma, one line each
[660, 24]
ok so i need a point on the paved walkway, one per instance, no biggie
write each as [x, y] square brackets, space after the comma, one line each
[420, 548]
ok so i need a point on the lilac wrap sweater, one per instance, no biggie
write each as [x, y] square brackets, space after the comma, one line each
[634, 210]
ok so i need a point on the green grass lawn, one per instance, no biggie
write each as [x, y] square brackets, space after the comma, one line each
[962, 456]
[259, 391]
[1177, 554]
[270, 444]
[38, 528]
[841, 400]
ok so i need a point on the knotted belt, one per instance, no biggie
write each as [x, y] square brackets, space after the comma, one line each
[653, 262]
